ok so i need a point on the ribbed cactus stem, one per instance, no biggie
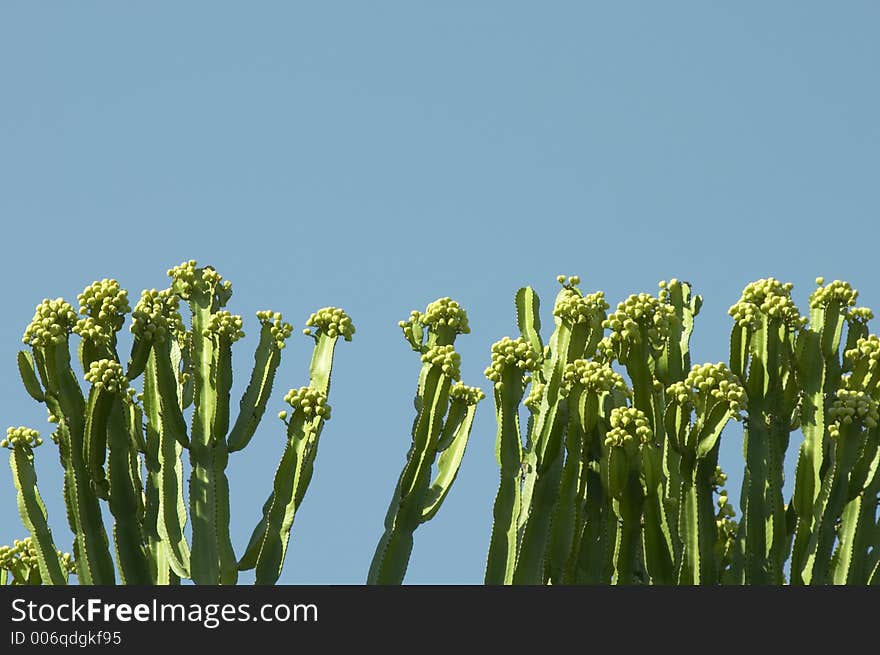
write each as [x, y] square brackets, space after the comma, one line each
[440, 433]
[501, 560]
[578, 330]
[213, 560]
[22, 441]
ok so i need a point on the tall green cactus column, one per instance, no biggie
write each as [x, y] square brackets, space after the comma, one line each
[445, 413]
[819, 377]
[713, 395]
[512, 359]
[50, 565]
[213, 332]
[48, 335]
[857, 557]
[578, 329]
[631, 467]
[646, 338]
[762, 354]
[267, 548]
[592, 390]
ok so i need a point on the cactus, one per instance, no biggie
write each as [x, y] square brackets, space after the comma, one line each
[626, 489]
[614, 478]
[444, 415]
[112, 435]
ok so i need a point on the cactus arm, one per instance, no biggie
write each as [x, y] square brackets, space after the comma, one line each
[395, 546]
[267, 546]
[137, 360]
[754, 511]
[128, 537]
[807, 472]
[589, 566]
[536, 534]
[528, 317]
[766, 320]
[29, 377]
[281, 512]
[164, 464]
[95, 442]
[33, 513]
[628, 509]
[865, 532]
[212, 560]
[154, 545]
[832, 505]
[94, 564]
[844, 556]
[501, 560]
[566, 522]
[267, 357]
[270, 544]
[578, 321]
[457, 426]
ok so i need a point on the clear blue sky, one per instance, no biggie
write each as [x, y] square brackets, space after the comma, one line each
[379, 155]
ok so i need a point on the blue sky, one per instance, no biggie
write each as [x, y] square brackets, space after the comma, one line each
[379, 155]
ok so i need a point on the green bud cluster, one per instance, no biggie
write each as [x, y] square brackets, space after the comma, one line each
[104, 305]
[331, 321]
[446, 358]
[666, 287]
[187, 278]
[629, 426]
[725, 508]
[636, 312]
[769, 297]
[446, 312]
[860, 314]
[511, 352]
[593, 376]
[155, 315]
[415, 318]
[573, 281]
[22, 550]
[706, 385]
[107, 374]
[68, 564]
[575, 308]
[837, 291]
[278, 327]
[311, 402]
[852, 407]
[52, 322]
[21, 436]
[719, 479]
[536, 393]
[224, 325]
[467, 395]
[867, 350]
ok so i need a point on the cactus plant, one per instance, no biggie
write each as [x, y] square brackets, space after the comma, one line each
[123, 447]
[624, 488]
[445, 409]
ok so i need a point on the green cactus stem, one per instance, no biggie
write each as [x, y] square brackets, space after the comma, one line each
[712, 395]
[267, 547]
[511, 360]
[440, 433]
[21, 441]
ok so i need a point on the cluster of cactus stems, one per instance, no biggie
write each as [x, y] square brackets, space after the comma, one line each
[445, 409]
[124, 447]
[614, 480]
[619, 483]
